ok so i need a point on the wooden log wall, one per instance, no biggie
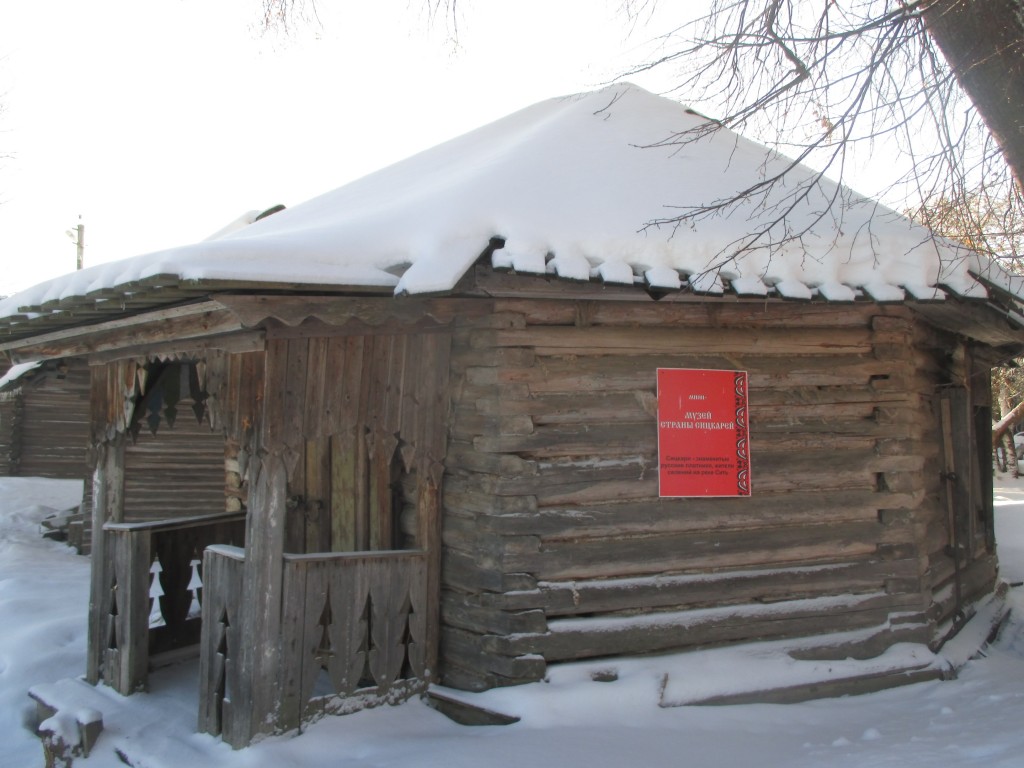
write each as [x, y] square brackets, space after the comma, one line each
[179, 471]
[557, 547]
[11, 413]
[54, 428]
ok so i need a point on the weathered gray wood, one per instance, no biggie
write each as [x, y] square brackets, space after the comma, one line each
[582, 638]
[220, 642]
[640, 341]
[697, 313]
[50, 431]
[675, 592]
[357, 619]
[260, 623]
[179, 471]
[177, 323]
[238, 342]
[126, 670]
[108, 505]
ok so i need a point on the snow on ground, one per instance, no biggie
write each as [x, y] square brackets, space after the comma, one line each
[568, 721]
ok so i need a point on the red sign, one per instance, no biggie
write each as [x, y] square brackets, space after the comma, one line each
[703, 438]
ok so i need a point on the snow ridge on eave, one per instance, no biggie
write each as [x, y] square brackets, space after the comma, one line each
[571, 185]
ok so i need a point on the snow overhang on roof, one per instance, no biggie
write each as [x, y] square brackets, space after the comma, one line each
[574, 187]
[13, 378]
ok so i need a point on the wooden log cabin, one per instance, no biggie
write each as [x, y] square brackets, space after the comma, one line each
[430, 406]
[44, 420]
[44, 432]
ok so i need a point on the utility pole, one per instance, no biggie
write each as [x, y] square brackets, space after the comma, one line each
[77, 236]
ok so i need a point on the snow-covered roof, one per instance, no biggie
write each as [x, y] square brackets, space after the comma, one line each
[573, 186]
[14, 374]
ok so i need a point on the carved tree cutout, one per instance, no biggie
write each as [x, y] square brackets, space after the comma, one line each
[323, 683]
[366, 652]
[195, 586]
[196, 373]
[156, 591]
[406, 641]
[112, 638]
[222, 686]
[161, 386]
[171, 395]
[325, 646]
[154, 404]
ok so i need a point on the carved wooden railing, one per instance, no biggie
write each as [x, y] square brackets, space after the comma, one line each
[151, 606]
[219, 646]
[353, 634]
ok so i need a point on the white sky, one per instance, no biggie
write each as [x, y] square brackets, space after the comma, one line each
[160, 122]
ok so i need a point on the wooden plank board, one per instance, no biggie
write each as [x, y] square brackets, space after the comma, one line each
[702, 314]
[640, 341]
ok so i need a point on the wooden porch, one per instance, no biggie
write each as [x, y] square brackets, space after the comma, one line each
[353, 635]
[148, 611]
[317, 591]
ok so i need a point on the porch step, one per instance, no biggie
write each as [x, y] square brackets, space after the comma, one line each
[67, 731]
[853, 685]
[456, 708]
[903, 664]
[168, 707]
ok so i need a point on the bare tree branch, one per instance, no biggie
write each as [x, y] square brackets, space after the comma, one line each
[819, 81]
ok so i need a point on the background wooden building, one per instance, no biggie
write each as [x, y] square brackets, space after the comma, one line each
[461, 487]
[44, 432]
[44, 420]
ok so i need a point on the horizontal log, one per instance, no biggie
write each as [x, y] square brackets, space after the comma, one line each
[465, 356]
[641, 341]
[463, 663]
[741, 313]
[466, 425]
[464, 612]
[655, 632]
[463, 572]
[610, 596]
[776, 406]
[679, 515]
[575, 373]
[462, 457]
[461, 498]
[688, 552]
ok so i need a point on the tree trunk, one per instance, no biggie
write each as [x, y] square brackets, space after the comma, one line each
[1003, 425]
[983, 43]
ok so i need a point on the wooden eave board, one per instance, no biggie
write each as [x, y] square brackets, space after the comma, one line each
[188, 320]
[981, 321]
[139, 297]
[254, 310]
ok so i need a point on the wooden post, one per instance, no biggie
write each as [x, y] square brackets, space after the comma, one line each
[130, 554]
[108, 506]
[254, 710]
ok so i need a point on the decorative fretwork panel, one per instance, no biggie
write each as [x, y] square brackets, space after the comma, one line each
[354, 632]
[155, 589]
[219, 646]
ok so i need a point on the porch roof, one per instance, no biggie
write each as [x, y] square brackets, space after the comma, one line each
[582, 187]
